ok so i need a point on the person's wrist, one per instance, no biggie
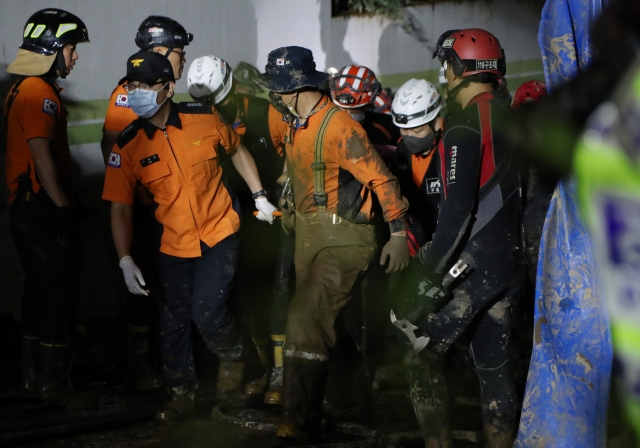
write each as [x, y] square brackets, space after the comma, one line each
[125, 260]
[259, 194]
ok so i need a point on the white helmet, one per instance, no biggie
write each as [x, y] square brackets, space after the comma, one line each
[416, 103]
[209, 76]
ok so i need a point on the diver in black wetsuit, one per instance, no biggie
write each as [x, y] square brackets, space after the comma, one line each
[479, 222]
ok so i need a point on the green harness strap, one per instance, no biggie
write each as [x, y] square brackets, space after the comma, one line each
[318, 166]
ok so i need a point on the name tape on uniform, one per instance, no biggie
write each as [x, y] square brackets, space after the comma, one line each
[114, 160]
[50, 107]
[122, 100]
[149, 160]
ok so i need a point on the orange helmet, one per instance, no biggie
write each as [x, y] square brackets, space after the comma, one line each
[354, 86]
[529, 92]
[470, 52]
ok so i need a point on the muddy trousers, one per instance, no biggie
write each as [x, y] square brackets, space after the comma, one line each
[51, 261]
[488, 320]
[197, 290]
[266, 257]
[331, 256]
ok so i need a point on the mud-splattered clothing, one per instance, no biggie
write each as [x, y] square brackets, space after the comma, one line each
[179, 166]
[197, 290]
[479, 222]
[35, 111]
[353, 169]
[481, 192]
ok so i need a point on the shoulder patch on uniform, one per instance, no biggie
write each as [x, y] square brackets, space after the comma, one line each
[114, 160]
[128, 133]
[194, 108]
[50, 107]
[122, 100]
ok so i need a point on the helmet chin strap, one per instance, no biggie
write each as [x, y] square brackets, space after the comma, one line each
[60, 65]
[454, 92]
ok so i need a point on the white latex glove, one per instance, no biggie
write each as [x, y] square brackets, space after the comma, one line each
[133, 276]
[265, 210]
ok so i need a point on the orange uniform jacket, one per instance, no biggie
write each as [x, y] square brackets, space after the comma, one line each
[119, 114]
[351, 165]
[36, 111]
[179, 166]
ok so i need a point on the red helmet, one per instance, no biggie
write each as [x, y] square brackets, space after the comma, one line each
[382, 103]
[529, 92]
[472, 51]
[354, 86]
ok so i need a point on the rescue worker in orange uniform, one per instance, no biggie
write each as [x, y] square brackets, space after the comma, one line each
[172, 150]
[167, 37]
[266, 297]
[334, 171]
[44, 218]
[355, 89]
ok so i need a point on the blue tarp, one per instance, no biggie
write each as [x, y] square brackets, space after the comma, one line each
[567, 391]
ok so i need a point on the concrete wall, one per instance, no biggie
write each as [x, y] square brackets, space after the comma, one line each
[235, 30]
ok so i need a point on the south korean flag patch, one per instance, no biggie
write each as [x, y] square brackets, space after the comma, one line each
[50, 107]
[114, 160]
[122, 100]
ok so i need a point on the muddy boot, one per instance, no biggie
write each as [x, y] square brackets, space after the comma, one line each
[55, 384]
[303, 394]
[274, 394]
[259, 385]
[30, 363]
[229, 377]
[141, 375]
[499, 407]
[182, 403]
[430, 398]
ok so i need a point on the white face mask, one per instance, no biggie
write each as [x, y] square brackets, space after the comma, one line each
[357, 115]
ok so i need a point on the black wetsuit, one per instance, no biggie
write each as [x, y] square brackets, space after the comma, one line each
[479, 221]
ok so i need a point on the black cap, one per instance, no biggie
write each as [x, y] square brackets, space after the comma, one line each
[289, 69]
[148, 67]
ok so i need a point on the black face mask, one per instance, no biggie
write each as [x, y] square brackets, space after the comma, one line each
[417, 145]
[230, 110]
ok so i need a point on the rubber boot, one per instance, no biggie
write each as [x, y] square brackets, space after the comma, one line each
[259, 386]
[499, 407]
[55, 384]
[303, 395]
[274, 393]
[140, 374]
[182, 403]
[430, 398]
[30, 363]
[229, 377]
